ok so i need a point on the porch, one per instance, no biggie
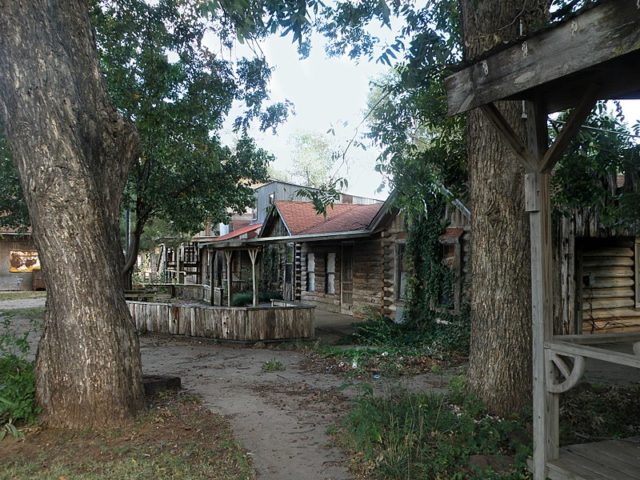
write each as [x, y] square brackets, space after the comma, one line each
[593, 56]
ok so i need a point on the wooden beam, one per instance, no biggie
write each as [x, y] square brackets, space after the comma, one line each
[611, 356]
[227, 256]
[601, 34]
[546, 409]
[568, 132]
[253, 254]
[508, 134]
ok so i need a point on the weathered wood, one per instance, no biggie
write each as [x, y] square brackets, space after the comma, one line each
[502, 126]
[608, 272]
[608, 293]
[568, 132]
[228, 256]
[609, 252]
[223, 323]
[545, 403]
[607, 303]
[607, 33]
[601, 338]
[253, 255]
[637, 270]
[603, 261]
[566, 348]
[608, 460]
[611, 313]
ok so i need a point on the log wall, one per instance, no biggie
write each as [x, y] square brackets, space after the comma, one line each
[607, 288]
[367, 267]
[223, 323]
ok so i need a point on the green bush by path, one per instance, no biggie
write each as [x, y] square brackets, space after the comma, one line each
[17, 394]
[430, 436]
[243, 299]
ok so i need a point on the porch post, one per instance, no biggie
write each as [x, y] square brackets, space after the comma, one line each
[227, 256]
[538, 205]
[253, 253]
[212, 276]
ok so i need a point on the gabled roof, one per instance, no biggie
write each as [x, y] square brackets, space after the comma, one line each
[302, 218]
[249, 230]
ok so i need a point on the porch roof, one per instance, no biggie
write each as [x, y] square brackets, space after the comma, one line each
[599, 46]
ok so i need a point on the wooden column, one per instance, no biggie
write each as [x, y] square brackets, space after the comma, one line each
[538, 205]
[227, 256]
[253, 254]
[212, 277]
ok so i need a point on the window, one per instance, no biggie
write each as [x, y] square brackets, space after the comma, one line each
[330, 274]
[401, 274]
[311, 272]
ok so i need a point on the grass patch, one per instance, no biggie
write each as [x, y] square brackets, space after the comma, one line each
[273, 365]
[178, 438]
[361, 361]
[22, 295]
[431, 436]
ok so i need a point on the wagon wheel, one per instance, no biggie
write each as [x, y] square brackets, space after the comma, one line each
[563, 375]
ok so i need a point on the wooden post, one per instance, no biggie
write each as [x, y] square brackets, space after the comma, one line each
[538, 205]
[227, 256]
[253, 253]
[212, 276]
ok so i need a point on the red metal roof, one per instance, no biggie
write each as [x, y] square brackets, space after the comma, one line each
[249, 230]
[302, 218]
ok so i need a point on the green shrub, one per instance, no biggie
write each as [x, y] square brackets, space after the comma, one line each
[243, 299]
[17, 376]
[438, 339]
[17, 393]
[273, 365]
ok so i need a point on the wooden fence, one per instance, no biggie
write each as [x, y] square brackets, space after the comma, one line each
[242, 324]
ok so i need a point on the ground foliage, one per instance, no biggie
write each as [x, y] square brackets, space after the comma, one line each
[176, 438]
[17, 377]
[434, 436]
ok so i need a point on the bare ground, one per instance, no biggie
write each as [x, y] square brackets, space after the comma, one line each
[280, 417]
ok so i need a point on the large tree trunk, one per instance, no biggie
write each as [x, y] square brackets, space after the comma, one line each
[500, 356]
[73, 152]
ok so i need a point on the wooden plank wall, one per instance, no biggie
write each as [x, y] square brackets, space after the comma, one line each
[232, 324]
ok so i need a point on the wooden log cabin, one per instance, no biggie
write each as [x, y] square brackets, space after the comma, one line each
[589, 57]
[597, 271]
[353, 260]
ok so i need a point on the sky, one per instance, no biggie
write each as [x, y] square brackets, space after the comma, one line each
[331, 93]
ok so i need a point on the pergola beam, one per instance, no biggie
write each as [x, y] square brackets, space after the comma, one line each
[569, 131]
[587, 46]
[508, 134]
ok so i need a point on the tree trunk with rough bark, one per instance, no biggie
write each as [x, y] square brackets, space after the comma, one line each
[73, 152]
[500, 354]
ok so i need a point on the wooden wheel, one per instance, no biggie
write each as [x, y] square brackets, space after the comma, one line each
[562, 373]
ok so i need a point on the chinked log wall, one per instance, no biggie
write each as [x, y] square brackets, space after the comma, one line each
[223, 323]
[596, 275]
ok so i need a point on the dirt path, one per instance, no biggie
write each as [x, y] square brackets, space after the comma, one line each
[280, 417]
